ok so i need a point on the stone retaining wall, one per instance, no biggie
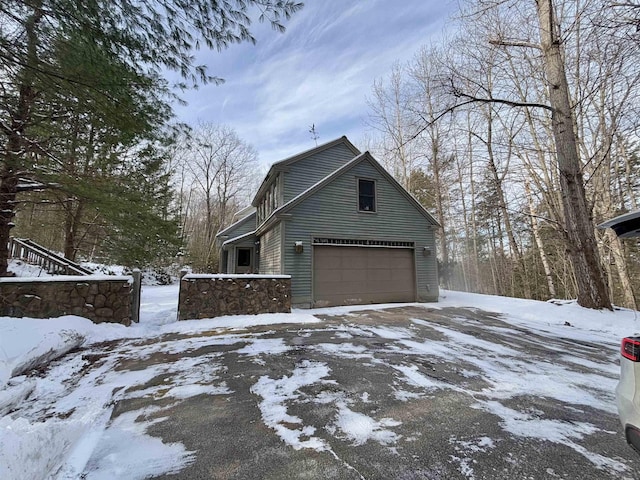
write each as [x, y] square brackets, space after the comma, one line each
[101, 299]
[208, 296]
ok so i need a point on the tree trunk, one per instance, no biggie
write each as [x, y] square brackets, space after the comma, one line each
[73, 215]
[15, 146]
[8, 190]
[539, 243]
[579, 230]
[444, 250]
[623, 272]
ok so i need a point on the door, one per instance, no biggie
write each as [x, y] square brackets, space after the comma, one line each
[361, 275]
[244, 260]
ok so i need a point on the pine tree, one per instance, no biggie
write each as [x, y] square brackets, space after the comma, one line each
[56, 52]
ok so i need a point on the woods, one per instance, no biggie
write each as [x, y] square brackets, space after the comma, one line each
[525, 126]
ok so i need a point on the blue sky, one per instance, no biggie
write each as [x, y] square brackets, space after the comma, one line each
[320, 71]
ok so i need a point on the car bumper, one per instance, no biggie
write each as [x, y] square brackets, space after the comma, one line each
[628, 401]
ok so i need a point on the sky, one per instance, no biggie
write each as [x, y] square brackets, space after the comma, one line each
[320, 71]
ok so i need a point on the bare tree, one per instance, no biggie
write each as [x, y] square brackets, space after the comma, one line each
[579, 233]
[220, 168]
[431, 140]
[390, 116]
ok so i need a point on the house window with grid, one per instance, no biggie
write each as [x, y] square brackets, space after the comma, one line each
[366, 195]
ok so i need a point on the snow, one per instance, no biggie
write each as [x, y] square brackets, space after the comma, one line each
[466, 448]
[125, 451]
[72, 447]
[560, 432]
[276, 392]
[26, 342]
[67, 278]
[550, 316]
[235, 276]
[24, 269]
[360, 428]
[79, 437]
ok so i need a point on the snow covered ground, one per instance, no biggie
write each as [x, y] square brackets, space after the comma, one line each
[60, 422]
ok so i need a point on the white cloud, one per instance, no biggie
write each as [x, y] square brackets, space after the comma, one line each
[319, 72]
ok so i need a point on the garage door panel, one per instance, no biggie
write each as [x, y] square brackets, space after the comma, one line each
[352, 275]
[378, 277]
[361, 275]
[380, 261]
[331, 276]
[355, 262]
[399, 276]
[329, 263]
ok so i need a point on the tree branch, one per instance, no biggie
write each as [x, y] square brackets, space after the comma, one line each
[456, 92]
[514, 43]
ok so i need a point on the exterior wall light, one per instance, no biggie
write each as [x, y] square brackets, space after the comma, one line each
[299, 248]
[426, 251]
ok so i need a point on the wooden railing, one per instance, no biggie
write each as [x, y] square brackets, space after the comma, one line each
[33, 253]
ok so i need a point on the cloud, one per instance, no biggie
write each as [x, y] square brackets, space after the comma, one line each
[319, 72]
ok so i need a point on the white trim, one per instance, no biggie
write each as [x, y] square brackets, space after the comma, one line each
[239, 237]
[363, 242]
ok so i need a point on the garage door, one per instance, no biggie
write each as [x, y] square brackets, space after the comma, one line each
[360, 275]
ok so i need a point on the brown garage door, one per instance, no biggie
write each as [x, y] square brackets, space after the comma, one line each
[360, 275]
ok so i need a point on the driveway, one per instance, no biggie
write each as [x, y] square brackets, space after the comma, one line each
[405, 393]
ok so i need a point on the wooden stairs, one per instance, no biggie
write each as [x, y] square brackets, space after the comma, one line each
[31, 252]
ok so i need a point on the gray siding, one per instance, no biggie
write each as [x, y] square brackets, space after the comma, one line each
[270, 251]
[309, 171]
[333, 212]
[245, 227]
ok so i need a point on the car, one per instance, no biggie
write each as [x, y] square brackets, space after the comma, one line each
[628, 389]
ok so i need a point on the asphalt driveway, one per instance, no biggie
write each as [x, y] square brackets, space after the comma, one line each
[404, 393]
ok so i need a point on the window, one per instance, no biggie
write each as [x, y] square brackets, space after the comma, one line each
[244, 257]
[366, 195]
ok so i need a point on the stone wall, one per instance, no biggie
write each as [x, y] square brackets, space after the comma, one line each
[208, 296]
[100, 299]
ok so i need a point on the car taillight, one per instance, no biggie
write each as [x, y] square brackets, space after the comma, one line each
[630, 348]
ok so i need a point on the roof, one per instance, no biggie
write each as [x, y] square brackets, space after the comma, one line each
[237, 224]
[273, 218]
[625, 226]
[283, 164]
[238, 238]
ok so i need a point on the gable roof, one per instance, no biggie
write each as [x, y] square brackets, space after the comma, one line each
[283, 164]
[366, 156]
[237, 224]
[238, 238]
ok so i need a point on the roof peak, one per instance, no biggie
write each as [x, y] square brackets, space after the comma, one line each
[319, 148]
[288, 161]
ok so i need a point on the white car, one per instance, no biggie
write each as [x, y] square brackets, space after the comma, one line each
[628, 390]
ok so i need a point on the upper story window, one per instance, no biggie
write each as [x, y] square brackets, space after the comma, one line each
[366, 195]
[270, 200]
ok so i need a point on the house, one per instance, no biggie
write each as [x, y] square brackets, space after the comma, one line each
[344, 229]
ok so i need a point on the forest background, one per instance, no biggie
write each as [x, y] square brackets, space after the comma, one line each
[471, 126]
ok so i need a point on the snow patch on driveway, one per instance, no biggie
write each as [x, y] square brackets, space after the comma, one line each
[560, 432]
[276, 393]
[360, 428]
[126, 451]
